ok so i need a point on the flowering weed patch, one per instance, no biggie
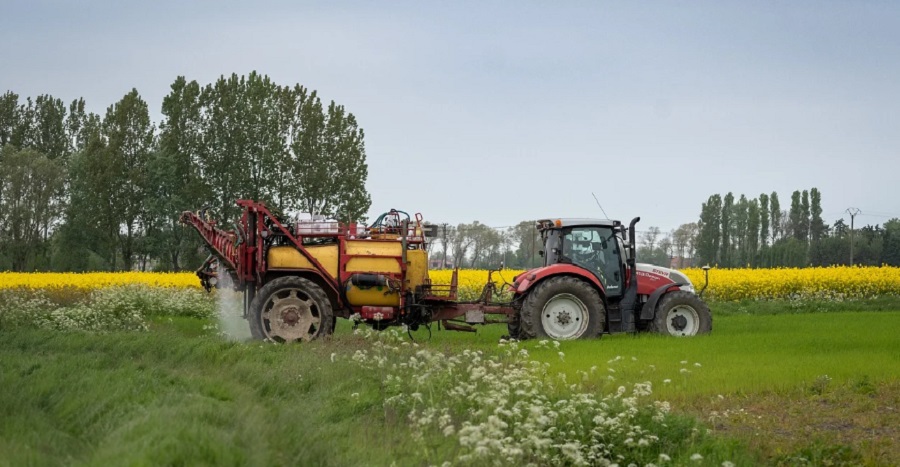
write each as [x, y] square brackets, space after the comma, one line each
[503, 408]
[126, 308]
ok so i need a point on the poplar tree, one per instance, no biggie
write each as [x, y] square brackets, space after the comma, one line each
[775, 216]
[739, 232]
[92, 226]
[804, 217]
[753, 231]
[130, 140]
[176, 182]
[794, 216]
[727, 208]
[709, 236]
[763, 220]
[817, 227]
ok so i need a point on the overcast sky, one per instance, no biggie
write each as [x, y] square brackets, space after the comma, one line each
[506, 111]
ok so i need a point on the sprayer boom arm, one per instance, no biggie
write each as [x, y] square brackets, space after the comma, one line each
[222, 244]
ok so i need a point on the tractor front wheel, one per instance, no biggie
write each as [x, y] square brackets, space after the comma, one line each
[291, 309]
[682, 313]
[562, 308]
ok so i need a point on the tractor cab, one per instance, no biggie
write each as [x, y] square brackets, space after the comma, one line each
[598, 246]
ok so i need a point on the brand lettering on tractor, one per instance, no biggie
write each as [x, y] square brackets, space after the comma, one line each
[661, 273]
[652, 277]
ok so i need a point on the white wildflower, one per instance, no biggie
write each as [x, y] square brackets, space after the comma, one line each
[696, 457]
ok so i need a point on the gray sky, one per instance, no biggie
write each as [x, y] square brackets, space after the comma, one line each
[505, 111]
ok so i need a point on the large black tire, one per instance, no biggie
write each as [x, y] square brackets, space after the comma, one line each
[562, 308]
[681, 313]
[290, 309]
[514, 326]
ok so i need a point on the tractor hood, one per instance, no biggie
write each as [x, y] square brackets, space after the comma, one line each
[657, 275]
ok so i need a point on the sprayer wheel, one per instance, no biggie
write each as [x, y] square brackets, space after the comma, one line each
[291, 309]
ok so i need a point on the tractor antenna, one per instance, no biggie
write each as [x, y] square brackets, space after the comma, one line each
[598, 204]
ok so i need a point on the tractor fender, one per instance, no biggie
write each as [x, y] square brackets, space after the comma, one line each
[649, 309]
[525, 281]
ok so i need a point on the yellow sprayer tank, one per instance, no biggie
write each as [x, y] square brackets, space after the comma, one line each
[376, 257]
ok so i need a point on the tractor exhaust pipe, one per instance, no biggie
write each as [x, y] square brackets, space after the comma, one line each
[629, 299]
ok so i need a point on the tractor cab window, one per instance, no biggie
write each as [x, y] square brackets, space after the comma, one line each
[597, 250]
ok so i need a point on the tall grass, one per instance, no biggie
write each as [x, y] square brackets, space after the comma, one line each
[181, 394]
[163, 398]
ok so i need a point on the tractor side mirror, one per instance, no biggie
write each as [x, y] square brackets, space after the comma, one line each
[541, 253]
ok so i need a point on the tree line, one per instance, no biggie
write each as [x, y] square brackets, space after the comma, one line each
[730, 233]
[83, 191]
[759, 233]
[80, 191]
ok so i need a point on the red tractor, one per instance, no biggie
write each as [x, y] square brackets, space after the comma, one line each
[297, 278]
[591, 284]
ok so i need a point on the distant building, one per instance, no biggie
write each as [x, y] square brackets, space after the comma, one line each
[677, 262]
[437, 262]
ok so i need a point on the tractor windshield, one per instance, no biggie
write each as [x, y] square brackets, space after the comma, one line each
[597, 250]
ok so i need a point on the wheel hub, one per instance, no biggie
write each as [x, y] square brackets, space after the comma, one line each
[683, 320]
[564, 317]
[290, 317]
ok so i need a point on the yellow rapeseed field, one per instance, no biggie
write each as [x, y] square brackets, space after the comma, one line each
[724, 284]
[836, 282]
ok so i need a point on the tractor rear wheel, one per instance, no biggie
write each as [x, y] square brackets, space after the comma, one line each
[681, 313]
[291, 309]
[562, 308]
[514, 326]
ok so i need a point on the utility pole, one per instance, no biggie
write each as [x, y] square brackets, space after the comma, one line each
[853, 212]
[444, 244]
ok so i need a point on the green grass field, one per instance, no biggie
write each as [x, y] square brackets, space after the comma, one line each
[770, 388]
